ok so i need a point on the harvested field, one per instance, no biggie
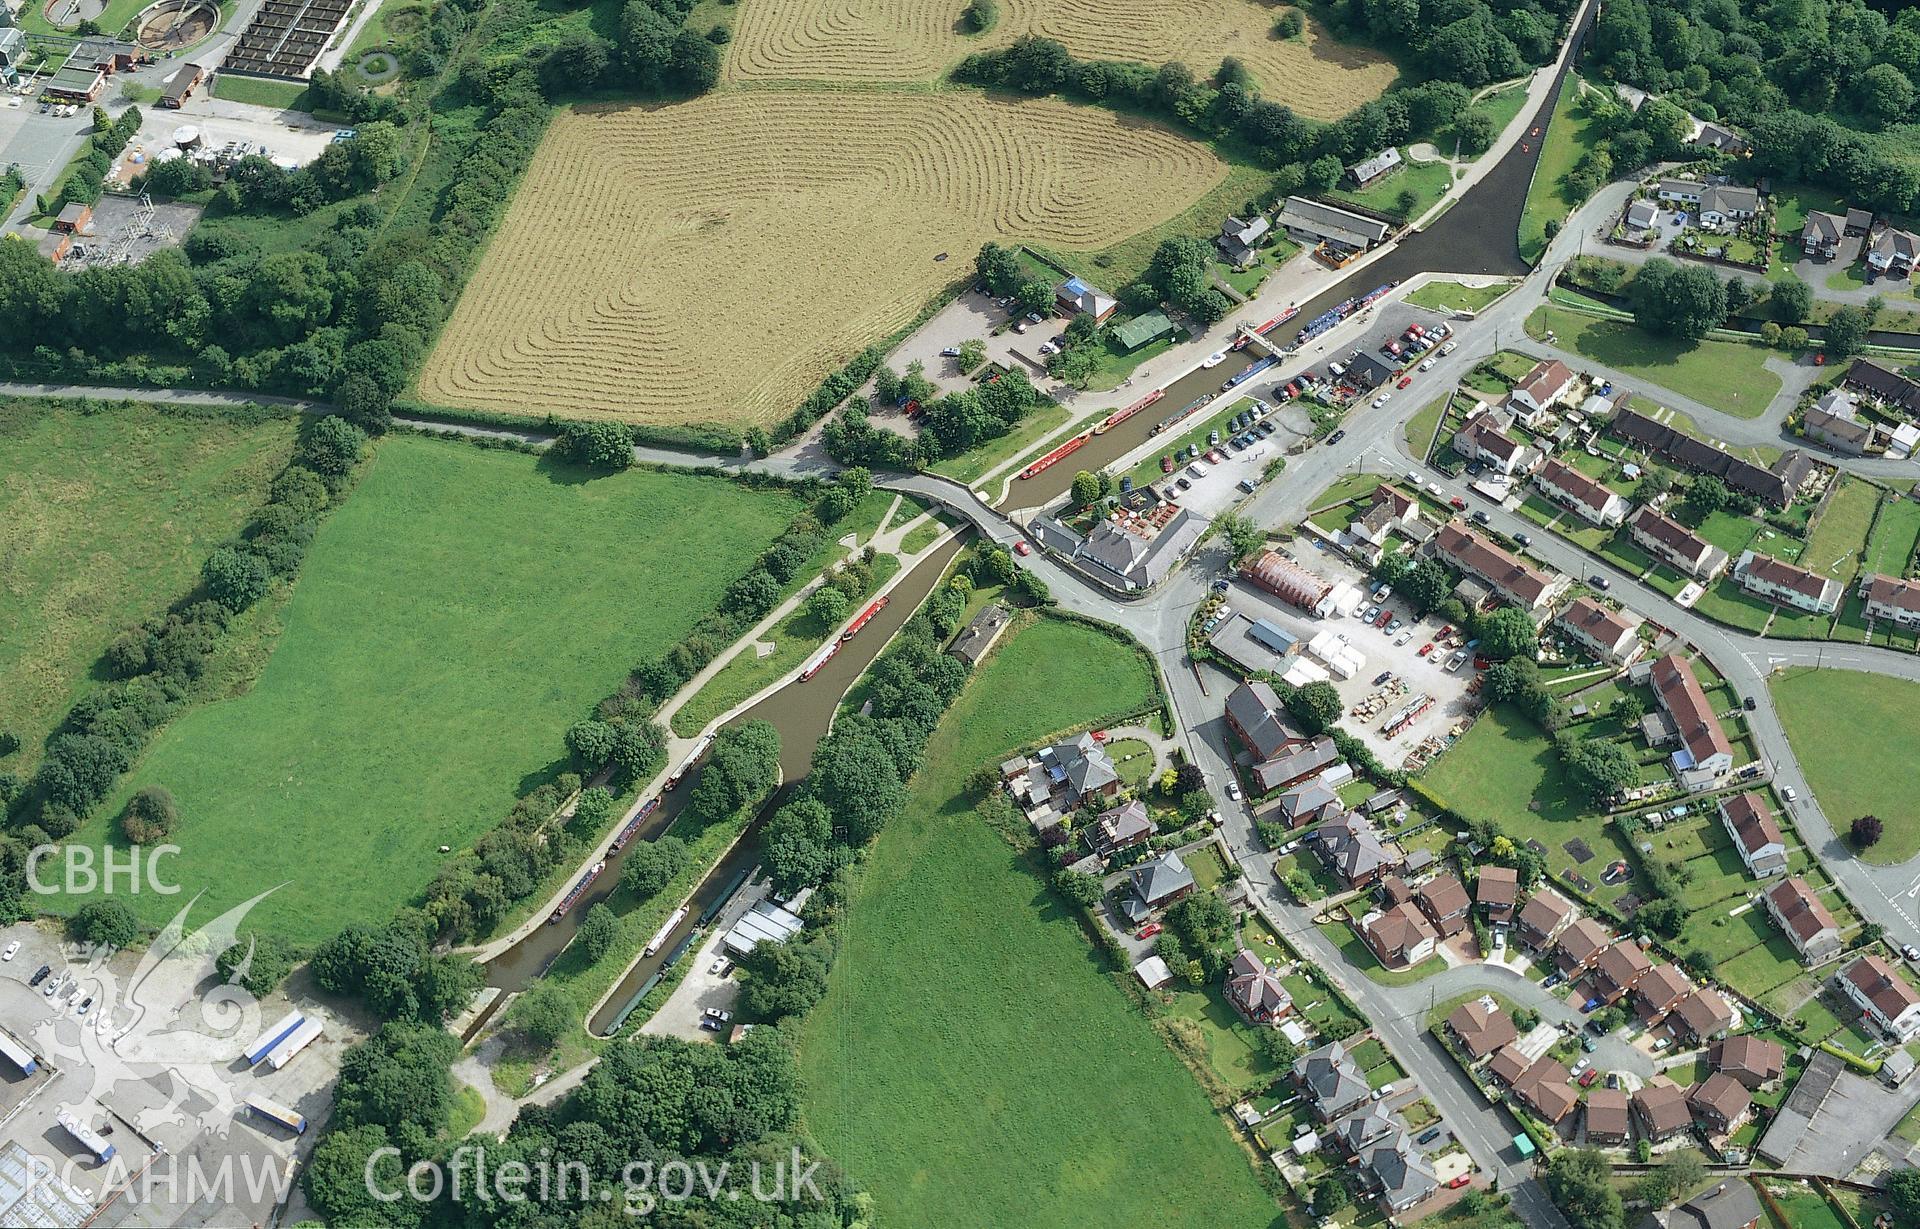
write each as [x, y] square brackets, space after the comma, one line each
[712, 261]
[914, 40]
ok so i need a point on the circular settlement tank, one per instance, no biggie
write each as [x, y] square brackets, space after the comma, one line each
[186, 136]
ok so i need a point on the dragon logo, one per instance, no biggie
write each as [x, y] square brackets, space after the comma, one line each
[176, 1025]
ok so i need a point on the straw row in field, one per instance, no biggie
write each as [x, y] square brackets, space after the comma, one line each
[712, 261]
[914, 40]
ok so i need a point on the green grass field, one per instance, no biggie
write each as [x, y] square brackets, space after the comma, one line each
[1839, 539]
[1505, 769]
[454, 616]
[1724, 375]
[972, 1059]
[969, 465]
[286, 95]
[1895, 536]
[1424, 426]
[104, 520]
[1455, 297]
[1570, 134]
[1824, 712]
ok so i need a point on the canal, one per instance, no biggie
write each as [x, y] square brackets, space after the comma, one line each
[801, 712]
[1478, 235]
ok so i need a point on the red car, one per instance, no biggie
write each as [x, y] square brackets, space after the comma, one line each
[1021, 548]
[1445, 632]
[1459, 1182]
[1459, 503]
[1166, 465]
[1404, 381]
[1426, 648]
[1386, 617]
[1149, 930]
[1588, 1077]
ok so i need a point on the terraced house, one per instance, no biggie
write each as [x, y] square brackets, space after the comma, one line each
[1891, 599]
[1619, 969]
[1579, 946]
[1545, 915]
[1593, 502]
[1607, 634]
[1525, 586]
[1756, 834]
[1677, 546]
[1779, 581]
[1659, 991]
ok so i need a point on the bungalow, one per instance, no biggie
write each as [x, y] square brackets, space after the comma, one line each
[1294, 766]
[1659, 991]
[1756, 836]
[1884, 996]
[1156, 884]
[1363, 175]
[1619, 969]
[1548, 1088]
[1607, 1122]
[1673, 544]
[1704, 1015]
[1542, 918]
[1123, 827]
[1835, 421]
[1776, 485]
[1779, 581]
[1721, 138]
[1239, 239]
[1256, 991]
[1496, 889]
[1309, 804]
[1888, 388]
[1594, 502]
[1314, 222]
[1332, 1081]
[1705, 756]
[1820, 237]
[1809, 924]
[1481, 1028]
[1074, 296]
[1550, 382]
[1483, 439]
[1579, 946]
[1661, 1110]
[1399, 1174]
[1721, 1102]
[1730, 1205]
[1893, 252]
[1400, 937]
[1444, 900]
[1642, 215]
[1353, 850]
[980, 633]
[1526, 587]
[1255, 713]
[1716, 204]
[1892, 598]
[1603, 632]
[1509, 1065]
[1754, 1061]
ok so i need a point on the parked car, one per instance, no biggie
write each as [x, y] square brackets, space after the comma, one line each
[950, 352]
[1425, 649]
[714, 1013]
[1383, 593]
[1381, 678]
[1589, 1045]
[1599, 582]
[1911, 952]
[1149, 930]
[40, 975]
[1459, 1182]
[1480, 517]
[13, 949]
[720, 967]
[1458, 503]
[1404, 381]
[1433, 489]
[1551, 980]
[1749, 704]
[1233, 791]
[1789, 794]
[1431, 1134]
[1523, 539]
[1427, 365]
[85, 1005]
[1380, 400]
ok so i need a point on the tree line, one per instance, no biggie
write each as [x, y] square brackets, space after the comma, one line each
[1823, 88]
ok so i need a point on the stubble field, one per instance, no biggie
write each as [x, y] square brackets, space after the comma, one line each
[712, 261]
[914, 40]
